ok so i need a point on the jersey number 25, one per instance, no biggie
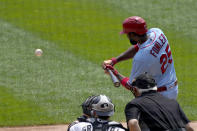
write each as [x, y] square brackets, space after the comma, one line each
[165, 59]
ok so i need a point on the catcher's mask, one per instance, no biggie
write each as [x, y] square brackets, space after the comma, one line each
[101, 105]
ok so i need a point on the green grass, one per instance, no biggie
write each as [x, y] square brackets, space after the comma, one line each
[14, 110]
[76, 36]
[47, 89]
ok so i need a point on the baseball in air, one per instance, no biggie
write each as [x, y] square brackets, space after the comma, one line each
[38, 52]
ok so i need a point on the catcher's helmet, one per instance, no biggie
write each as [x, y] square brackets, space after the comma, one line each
[134, 24]
[101, 105]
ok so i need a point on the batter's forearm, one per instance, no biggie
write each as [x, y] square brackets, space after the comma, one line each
[124, 81]
[128, 54]
[120, 77]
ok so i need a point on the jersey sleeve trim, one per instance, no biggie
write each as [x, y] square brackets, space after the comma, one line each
[151, 42]
[136, 48]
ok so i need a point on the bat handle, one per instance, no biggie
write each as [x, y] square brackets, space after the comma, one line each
[115, 80]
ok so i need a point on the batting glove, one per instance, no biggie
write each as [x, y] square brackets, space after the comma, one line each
[114, 61]
[110, 67]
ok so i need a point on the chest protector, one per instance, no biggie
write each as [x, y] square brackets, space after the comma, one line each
[103, 125]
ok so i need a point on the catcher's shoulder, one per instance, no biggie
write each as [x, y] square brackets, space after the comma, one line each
[72, 124]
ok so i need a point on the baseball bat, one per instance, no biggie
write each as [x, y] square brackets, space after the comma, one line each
[115, 80]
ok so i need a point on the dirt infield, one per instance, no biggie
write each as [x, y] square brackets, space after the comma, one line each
[55, 128]
[37, 128]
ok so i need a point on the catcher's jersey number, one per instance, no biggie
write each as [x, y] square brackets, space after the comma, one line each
[90, 128]
[87, 128]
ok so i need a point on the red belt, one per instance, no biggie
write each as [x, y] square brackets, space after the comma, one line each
[164, 88]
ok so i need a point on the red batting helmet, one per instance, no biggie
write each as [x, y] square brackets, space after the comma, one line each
[134, 24]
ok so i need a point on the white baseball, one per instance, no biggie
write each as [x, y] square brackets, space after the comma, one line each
[38, 52]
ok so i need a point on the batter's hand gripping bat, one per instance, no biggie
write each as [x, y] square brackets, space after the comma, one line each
[114, 79]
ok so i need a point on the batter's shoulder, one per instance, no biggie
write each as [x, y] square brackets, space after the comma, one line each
[155, 29]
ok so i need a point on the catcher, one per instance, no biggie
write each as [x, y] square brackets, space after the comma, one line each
[97, 111]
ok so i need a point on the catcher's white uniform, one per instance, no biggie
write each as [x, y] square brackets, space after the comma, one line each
[81, 126]
[97, 125]
[154, 57]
